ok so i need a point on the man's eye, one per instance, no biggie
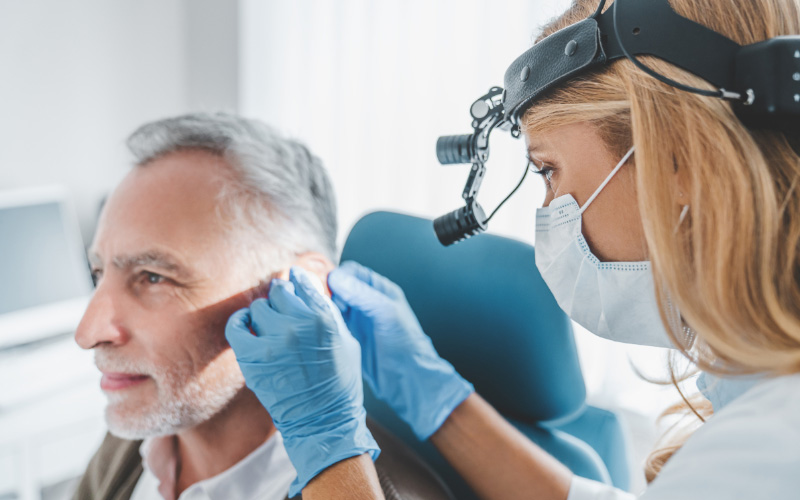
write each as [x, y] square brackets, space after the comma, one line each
[153, 278]
[96, 275]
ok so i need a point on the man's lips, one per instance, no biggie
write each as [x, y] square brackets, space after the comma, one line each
[118, 381]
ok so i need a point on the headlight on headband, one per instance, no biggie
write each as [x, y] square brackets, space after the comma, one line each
[762, 80]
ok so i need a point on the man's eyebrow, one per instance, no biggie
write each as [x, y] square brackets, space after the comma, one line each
[150, 258]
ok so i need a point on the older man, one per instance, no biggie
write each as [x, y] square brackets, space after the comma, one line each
[215, 206]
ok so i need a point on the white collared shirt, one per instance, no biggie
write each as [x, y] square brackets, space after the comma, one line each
[749, 450]
[264, 474]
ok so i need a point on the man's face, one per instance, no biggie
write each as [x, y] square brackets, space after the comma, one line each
[166, 285]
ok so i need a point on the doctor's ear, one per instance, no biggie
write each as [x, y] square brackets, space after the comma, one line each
[315, 263]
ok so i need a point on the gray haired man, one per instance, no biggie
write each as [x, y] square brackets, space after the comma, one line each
[215, 206]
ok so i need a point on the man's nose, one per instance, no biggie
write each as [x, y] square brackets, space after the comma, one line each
[102, 322]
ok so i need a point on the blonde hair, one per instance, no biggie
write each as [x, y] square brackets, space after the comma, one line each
[731, 267]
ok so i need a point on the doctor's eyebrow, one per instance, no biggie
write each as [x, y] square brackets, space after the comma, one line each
[534, 148]
[150, 258]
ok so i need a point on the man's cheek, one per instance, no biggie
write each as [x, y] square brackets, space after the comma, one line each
[214, 318]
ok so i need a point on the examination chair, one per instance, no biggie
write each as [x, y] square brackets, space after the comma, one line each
[489, 313]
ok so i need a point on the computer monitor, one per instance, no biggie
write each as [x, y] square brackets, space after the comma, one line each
[44, 277]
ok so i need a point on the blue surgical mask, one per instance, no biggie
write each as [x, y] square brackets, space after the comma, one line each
[614, 300]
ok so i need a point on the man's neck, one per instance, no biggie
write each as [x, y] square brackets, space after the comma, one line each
[216, 445]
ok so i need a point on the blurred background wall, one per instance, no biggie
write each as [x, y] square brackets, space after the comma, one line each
[79, 76]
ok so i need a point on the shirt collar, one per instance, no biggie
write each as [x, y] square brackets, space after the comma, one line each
[265, 468]
[159, 456]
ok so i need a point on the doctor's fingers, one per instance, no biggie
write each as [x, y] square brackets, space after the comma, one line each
[377, 281]
[354, 298]
[351, 295]
[283, 299]
[310, 290]
[244, 343]
[267, 321]
[279, 339]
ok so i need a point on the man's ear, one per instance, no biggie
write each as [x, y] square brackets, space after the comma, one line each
[315, 263]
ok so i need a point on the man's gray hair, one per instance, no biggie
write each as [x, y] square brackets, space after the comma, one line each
[282, 196]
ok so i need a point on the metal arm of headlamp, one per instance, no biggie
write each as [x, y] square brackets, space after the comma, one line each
[487, 113]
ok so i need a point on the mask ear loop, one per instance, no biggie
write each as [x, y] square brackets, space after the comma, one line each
[608, 179]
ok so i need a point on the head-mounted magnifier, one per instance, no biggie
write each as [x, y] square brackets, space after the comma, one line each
[762, 80]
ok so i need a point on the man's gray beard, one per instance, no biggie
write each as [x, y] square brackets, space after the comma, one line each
[184, 398]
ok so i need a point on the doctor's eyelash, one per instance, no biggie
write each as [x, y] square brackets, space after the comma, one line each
[545, 171]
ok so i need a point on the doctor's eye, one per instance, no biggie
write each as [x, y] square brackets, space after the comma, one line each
[545, 171]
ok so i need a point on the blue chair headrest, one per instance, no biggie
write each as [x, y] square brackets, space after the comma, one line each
[486, 308]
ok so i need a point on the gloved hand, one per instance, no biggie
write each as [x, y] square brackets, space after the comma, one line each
[399, 361]
[303, 365]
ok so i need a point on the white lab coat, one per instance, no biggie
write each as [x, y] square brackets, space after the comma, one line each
[749, 450]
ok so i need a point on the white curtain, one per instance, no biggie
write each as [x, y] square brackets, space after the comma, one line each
[370, 85]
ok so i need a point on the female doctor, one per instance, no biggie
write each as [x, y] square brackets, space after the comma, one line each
[635, 171]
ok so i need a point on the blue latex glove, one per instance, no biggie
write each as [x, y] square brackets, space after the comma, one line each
[303, 365]
[399, 361]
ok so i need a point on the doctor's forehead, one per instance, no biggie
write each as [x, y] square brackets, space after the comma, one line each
[544, 141]
[565, 140]
[541, 147]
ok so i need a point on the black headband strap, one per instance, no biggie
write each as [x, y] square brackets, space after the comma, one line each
[646, 27]
[654, 28]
